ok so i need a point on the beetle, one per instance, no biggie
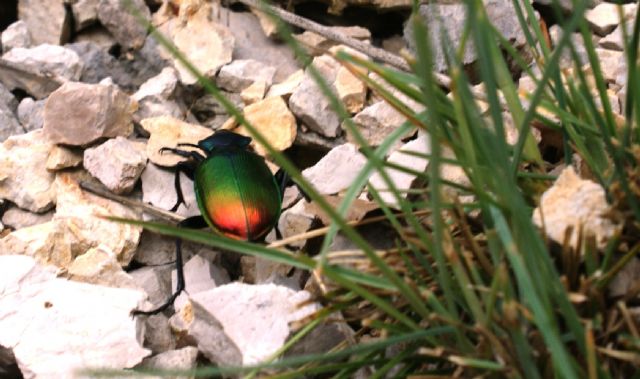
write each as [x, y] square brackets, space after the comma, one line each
[236, 192]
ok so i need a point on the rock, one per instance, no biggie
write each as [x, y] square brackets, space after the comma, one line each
[158, 250]
[55, 327]
[611, 62]
[98, 35]
[9, 125]
[318, 45]
[626, 279]
[351, 91]
[167, 131]
[158, 190]
[324, 337]
[157, 334]
[604, 17]
[79, 114]
[310, 104]
[30, 114]
[336, 170]
[47, 21]
[286, 87]
[45, 242]
[100, 266]
[311, 139]
[16, 35]
[17, 218]
[451, 19]
[156, 96]
[200, 275]
[254, 93]
[79, 212]
[251, 43]
[122, 24]
[154, 282]
[50, 59]
[243, 324]
[269, 27]
[240, 74]
[274, 121]
[206, 44]
[377, 121]
[117, 163]
[8, 102]
[211, 113]
[24, 178]
[85, 13]
[402, 180]
[294, 221]
[184, 359]
[573, 203]
[62, 157]
[615, 40]
[36, 81]
[99, 64]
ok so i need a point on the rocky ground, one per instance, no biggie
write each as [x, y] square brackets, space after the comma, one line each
[87, 95]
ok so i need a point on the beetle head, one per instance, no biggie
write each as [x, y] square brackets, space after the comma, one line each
[224, 138]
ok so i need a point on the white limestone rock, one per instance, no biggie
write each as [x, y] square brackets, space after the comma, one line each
[122, 23]
[336, 170]
[16, 35]
[117, 163]
[573, 203]
[158, 189]
[24, 178]
[55, 327]
[240, 74]
[47, 58]
[403, 180]
[78, 113]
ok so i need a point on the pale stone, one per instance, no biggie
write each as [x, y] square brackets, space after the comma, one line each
[78, 113]
[24, 178]
[152, 280]
[158, 189]
[56, 327]
[85, 13]
[156, 96]
[17, 218]
[30, 114]
[46, 242]
[184, 359]
[47, 20]
[310, 104]
[122, 23]
[243, 324]
[611, 62]
[157, 334]
[350, 90]
[626, 279]
[295, 220]
[62, 157]
[253, 93]
[16, 35]
[604, 17]
[336, 170]
[615, 40]
[403, 180]
[168, 132]
[206, 44]
[160, 250]
[199, 275]
[574, 203]
[269, 27]
[286, 87]
[99, 265]
[274, 121]
[377, 121]
[80, 212]
[117, 163]
[240, 74]
[9, 125]
[318, 45]
[52, 59]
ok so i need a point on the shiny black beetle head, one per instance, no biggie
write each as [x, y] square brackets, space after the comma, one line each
[223, 139]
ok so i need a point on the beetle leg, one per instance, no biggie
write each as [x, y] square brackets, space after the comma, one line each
[195, 222]
[188, 168]
[283, 179]
[183, 153]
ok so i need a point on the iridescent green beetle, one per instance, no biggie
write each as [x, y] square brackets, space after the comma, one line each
[237, 194]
